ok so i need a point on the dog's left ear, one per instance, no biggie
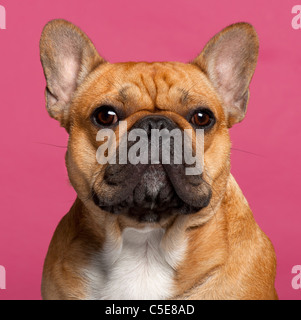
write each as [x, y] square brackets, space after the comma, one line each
[229, 60]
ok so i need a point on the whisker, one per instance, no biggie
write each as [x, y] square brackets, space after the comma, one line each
[254, 154]
[90, 196]
[51, 145]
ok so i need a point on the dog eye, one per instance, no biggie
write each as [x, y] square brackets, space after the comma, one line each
[105, 116]
[203, 119]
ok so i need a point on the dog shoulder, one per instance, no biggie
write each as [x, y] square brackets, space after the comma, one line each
[252, 256]
[61, 279]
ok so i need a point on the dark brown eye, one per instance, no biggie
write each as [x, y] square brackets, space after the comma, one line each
[203, 119]
[105, 116]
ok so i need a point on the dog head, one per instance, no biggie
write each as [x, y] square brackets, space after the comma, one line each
[88, 95]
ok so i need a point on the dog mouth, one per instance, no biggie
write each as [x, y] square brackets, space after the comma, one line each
[150, 193]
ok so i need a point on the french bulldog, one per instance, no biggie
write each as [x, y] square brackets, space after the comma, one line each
[151, 231]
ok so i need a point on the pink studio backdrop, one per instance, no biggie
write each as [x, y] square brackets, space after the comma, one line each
[34, 188]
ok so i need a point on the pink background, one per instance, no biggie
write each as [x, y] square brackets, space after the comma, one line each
[34, 187]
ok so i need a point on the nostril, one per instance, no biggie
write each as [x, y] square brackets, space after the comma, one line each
[161, 125]
[149, 129]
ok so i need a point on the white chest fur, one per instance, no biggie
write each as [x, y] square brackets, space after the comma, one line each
[136, 268]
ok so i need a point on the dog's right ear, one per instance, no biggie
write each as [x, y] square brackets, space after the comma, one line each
[67, 57]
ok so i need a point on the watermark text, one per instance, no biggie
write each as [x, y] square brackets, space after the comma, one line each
[154, 147]
[296, 282]
[2, 278]
[296, 21]
[2, 18]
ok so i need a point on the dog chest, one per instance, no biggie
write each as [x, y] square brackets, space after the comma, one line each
[135, 269]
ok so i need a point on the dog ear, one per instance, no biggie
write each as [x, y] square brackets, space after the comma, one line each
[229, 60]
[67, 57]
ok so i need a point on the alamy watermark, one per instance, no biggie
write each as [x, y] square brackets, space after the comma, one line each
[157, 146]
[2, 17]
[296, 281]
[2, 278]
[296, 21]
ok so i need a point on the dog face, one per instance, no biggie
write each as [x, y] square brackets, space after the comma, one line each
[86, 94]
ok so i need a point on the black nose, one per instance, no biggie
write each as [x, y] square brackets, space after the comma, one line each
[154, 122]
